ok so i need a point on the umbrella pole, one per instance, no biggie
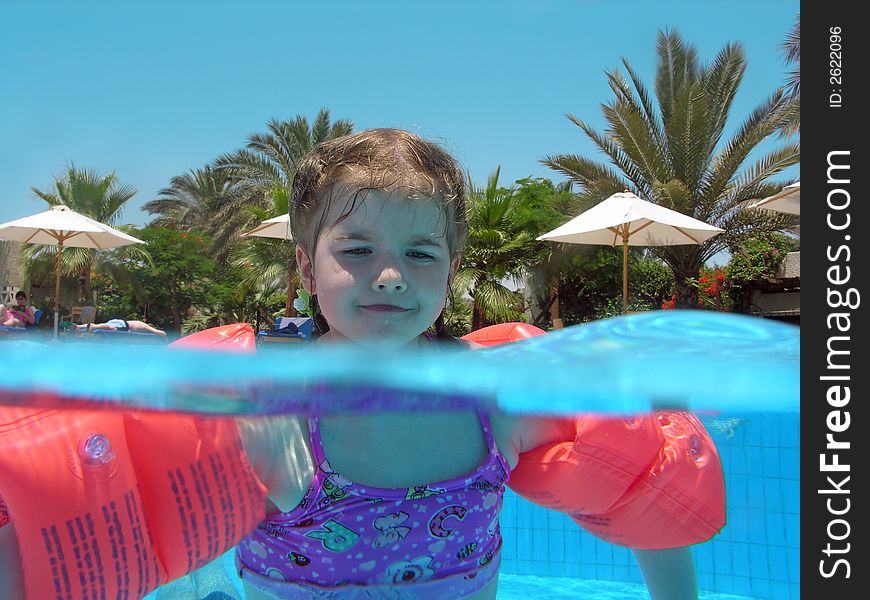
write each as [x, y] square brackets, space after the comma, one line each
[625, 269]
[57, 283]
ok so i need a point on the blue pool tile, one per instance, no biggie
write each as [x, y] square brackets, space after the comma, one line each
[792, 530]
[587, 571]
[741, 585]
[770, 462]
[793, 559]
[508, 566]
[620, 573]
[556, 543]
[775, 529]
[735, 463]
[603, 553]
[760, 587]
[753, 434]
[738, 525]
[790, 435]
[722, 580]
[622, 556]
[791, 495]
[790, 460]
[509, 538]
[757, 521]
[756, 492]
[736, 491]
[758, 559]
[704, 558]
[604, 572]
[525, 551]
[588, 547]
[740, 559]
[780, 590]
[705, 581]
[541, 517]
[772, 494]
[574, 547]
[540, 548]
[777, 565]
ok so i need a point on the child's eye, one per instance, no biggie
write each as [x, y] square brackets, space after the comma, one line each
[420, 255]
[356, 251]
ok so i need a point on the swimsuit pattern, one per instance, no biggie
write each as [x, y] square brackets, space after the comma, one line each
[345, 535]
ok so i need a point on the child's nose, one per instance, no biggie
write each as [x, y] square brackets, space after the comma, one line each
[389, 280]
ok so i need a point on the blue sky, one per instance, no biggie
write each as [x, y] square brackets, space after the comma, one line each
[152, 89]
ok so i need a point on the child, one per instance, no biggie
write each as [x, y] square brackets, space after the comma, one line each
[359, 507]
[387, 504]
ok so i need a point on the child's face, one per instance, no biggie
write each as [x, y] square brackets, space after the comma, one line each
[381, 274]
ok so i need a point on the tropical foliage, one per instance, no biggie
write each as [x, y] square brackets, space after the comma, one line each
[667, 146]
[238, 191]
[792, 54]
[498, 248]
[100, 197]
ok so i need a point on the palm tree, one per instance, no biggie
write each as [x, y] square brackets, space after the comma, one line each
[98, 196]
[265, 168]
[671, 152]
[268, 264]
[497, 248]
[792, 51]
[187, 202]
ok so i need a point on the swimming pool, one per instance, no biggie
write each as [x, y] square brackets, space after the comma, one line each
[545, 555]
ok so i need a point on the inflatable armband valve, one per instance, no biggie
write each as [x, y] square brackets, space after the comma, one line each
[70, 487]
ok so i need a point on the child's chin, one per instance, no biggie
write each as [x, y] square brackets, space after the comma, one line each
[387, 342]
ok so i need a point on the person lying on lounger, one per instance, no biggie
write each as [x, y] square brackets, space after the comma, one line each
[121, 325]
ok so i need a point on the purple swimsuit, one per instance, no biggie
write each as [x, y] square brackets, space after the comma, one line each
[345, 540]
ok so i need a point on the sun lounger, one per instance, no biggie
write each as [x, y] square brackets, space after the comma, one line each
[287, 330]
[126, 337]
[37, 314]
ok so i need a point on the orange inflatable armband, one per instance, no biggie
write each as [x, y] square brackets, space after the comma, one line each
[118, 503]
[647, 482]
[236, 337]
[110, 504]
[502, 333]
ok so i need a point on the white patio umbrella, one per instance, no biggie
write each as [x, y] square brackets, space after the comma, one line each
[278, 228]
[787, 200]
[624, 218]
[59, 226]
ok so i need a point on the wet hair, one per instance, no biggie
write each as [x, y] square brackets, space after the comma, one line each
[21, 294]
[393, 161]
[396, 162]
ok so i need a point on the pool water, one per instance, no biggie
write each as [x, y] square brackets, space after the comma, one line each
[545, 555]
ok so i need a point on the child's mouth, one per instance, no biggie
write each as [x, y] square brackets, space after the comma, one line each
[384, 308]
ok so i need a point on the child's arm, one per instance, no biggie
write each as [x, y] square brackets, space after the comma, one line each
[278, 450]
[669, 573]
[11, 575]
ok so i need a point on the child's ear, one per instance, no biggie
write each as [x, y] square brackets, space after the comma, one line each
[306, 270]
